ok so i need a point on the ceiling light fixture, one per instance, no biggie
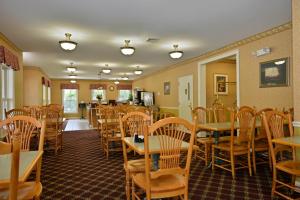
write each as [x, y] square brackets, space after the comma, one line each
[72, 81]
[106, 70]
[176, 54]
[71, 68]
[116, 82]
[126, 49]
[138, 71]
[72, 75]
[125, 78]
[68, 44]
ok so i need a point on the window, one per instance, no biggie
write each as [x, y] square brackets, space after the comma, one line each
[96, 92]
[44, 95]
[70, 100]
[7, 89]
[49, 95]
[124, 95]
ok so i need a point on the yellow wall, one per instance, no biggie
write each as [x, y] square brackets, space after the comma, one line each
[33, 88]
[280, 41]
[18, 74]
[84, 93]
[226, 68]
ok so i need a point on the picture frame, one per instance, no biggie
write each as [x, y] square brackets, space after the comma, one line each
[220, 84]
[274, 73]
[167, 88]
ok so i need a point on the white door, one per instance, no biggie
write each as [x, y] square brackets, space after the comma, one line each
[185, 96]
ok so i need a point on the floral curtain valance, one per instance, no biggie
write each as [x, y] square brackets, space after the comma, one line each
[124, 87]
[69, 86]
[9, 59]
[46, 82]
[98, 86]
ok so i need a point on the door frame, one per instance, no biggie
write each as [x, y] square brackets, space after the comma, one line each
[202, 75]
[191, 91]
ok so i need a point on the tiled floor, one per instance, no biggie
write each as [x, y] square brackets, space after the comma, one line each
[77, 124]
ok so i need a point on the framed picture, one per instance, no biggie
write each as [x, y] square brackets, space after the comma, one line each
[220, 84]
[274, 73]
[167, 88]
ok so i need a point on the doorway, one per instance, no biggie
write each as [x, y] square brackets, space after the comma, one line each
[185, 97]
[228, 92]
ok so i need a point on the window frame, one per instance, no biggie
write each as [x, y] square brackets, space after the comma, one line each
[103, 96]
[119, 92]
[7, 98]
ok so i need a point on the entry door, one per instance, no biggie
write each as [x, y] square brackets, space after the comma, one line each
[185, 97]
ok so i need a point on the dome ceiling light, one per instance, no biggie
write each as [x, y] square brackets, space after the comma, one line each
[116, 82]
[125, 78]
[138, 71]
[176, 54]
[72, 75]
[106, 70]
[126, 49]
[68, 44]
[72, 81]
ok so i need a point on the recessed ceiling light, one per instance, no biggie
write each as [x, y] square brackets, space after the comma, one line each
[138, 71]
[72, 81]
[72, 75]
[279, 62]
[106, 70]
[68, 44]
[126, 49]
[176, 54]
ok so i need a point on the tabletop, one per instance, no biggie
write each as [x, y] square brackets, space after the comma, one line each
[221, 126]
[28, 159]
[289, 141]
[154, 146]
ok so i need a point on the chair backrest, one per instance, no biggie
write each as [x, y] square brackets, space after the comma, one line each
[16, 112]
[170, 133]
[246, 125]
[262, 131]
[26, 125]
[202, 115]
[274, 126]
[247, 108]
[130, 124]
[221, 114]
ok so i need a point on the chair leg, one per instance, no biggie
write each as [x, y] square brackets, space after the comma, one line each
[274, 181]
[270, 159]
[127, 187]
[232, 165]
[213, 158]
[254, 160]
[249, 162]
[206, 154]
[133, 191]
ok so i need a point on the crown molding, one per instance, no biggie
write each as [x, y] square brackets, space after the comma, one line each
[231, 46]
[10, 43]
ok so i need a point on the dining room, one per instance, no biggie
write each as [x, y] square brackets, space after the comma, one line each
[149, 100]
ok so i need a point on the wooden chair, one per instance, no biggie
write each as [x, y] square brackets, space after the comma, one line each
[16, 112]
[27, 125]
[26, 190]
[203, 139]
[161, 115]
[130, 124]
[53, 135]
[260, 142]
[239, 145]
[221, 113]
[172, 177]
[111, 131]
[274, 126]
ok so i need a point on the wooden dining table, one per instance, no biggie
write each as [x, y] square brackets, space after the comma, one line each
[28, 161]
[293, 141]
[154, 145]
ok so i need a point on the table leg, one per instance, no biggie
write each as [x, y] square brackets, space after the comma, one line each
[216, 136]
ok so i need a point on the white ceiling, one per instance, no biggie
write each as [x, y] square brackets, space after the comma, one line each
[100, 28]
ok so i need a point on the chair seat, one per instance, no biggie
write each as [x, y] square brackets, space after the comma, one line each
[135, 165]
[27, 190]
[290, 167]
[165, 183]
[261, 145]
[237, 149]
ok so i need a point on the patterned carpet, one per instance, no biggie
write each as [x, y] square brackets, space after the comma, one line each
[81, 171]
